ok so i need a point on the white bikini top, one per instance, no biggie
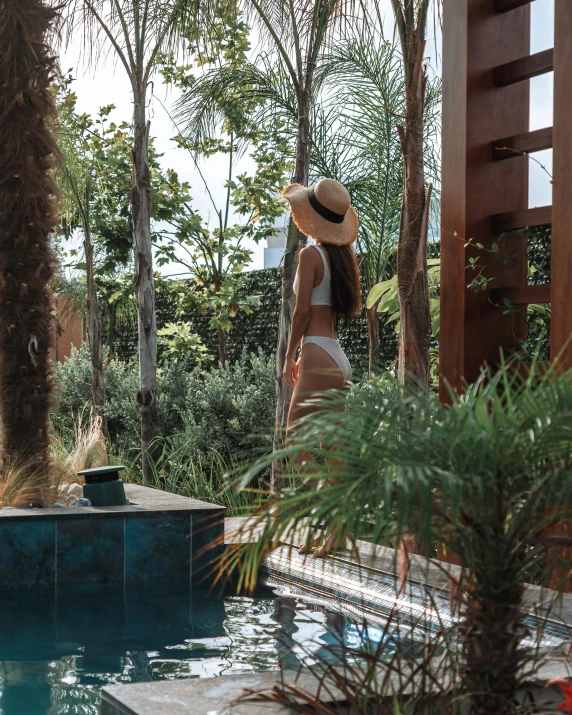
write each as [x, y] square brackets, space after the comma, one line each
[321, 294]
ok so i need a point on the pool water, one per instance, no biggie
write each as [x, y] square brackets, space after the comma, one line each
[58, 650]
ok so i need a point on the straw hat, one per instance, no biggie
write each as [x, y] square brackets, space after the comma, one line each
[323, 212]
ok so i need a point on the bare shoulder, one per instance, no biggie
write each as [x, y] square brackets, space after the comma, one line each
[309, 256]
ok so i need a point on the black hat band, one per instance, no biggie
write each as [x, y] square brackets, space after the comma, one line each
[324, 211]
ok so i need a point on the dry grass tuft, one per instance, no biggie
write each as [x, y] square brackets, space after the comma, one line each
[90, 451]
[20, 484]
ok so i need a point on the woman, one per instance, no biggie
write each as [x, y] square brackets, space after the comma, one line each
[327, 287]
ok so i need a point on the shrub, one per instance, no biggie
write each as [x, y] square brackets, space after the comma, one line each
[230, 409]
[224, 409]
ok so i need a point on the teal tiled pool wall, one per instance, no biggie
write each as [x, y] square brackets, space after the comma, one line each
[108, 548]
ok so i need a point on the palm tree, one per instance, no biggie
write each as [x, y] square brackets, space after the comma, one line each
[489, 478]
[136, 32]
[415, 331]
[28, 216]
[357, 143]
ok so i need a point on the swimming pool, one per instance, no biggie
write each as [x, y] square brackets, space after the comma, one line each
[58, 650]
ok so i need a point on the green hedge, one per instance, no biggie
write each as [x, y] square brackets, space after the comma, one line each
[259, 330]
[539, 254]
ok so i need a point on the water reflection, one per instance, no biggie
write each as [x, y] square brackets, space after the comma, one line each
[57, 651]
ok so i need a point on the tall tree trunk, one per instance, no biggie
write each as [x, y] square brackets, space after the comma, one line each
[222, 346]
[294, 243]
[95, 336]
[415, 318]
[147, 318]
[28, 215]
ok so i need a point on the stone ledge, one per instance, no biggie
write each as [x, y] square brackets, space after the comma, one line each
[160, 539]
[215, 696]
[144, 500]
[203, 697]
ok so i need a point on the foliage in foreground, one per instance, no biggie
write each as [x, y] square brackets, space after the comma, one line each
[489, 478]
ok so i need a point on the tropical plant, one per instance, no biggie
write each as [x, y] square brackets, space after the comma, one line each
[137, 31]
[489, 478]
[415, 331]
[385, 297]
[28, 217]
[181, 344]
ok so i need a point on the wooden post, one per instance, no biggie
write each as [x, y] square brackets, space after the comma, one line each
[561, 272]
[476, 40]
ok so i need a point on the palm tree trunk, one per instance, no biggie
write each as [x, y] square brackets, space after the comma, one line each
[413, 289]
[147, 318]
[95, 337]
[28, 215]
[492, 634]
[294, 243]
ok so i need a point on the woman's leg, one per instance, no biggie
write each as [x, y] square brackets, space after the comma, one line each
[318, 373]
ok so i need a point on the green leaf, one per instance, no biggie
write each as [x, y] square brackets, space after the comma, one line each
[378, 291]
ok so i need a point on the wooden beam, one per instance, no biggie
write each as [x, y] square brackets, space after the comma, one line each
[524, 68]
[513, 220]
[506, 5]
[522, 295]
[526, 143]
[561, 268]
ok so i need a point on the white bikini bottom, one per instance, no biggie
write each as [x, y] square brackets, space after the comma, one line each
[334, 350]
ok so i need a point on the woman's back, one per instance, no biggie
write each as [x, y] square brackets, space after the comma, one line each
[321, 318]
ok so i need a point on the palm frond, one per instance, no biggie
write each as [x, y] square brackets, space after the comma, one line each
[265, 87]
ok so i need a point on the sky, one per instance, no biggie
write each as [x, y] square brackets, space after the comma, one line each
[106, 83]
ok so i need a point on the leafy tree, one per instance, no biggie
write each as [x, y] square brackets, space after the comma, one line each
[80, 175]
[95, 186]
[136, 31]
[215, 258]
[28, 216]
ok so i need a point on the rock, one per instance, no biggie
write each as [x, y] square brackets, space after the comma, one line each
[75, 490]
[59, 505]
[83, 502]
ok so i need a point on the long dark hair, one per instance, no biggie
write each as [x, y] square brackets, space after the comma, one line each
[346, 288]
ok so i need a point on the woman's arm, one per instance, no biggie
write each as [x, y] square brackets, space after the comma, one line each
[301, 317]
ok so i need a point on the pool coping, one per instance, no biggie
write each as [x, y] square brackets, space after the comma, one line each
[219, 695]
[143, 500]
